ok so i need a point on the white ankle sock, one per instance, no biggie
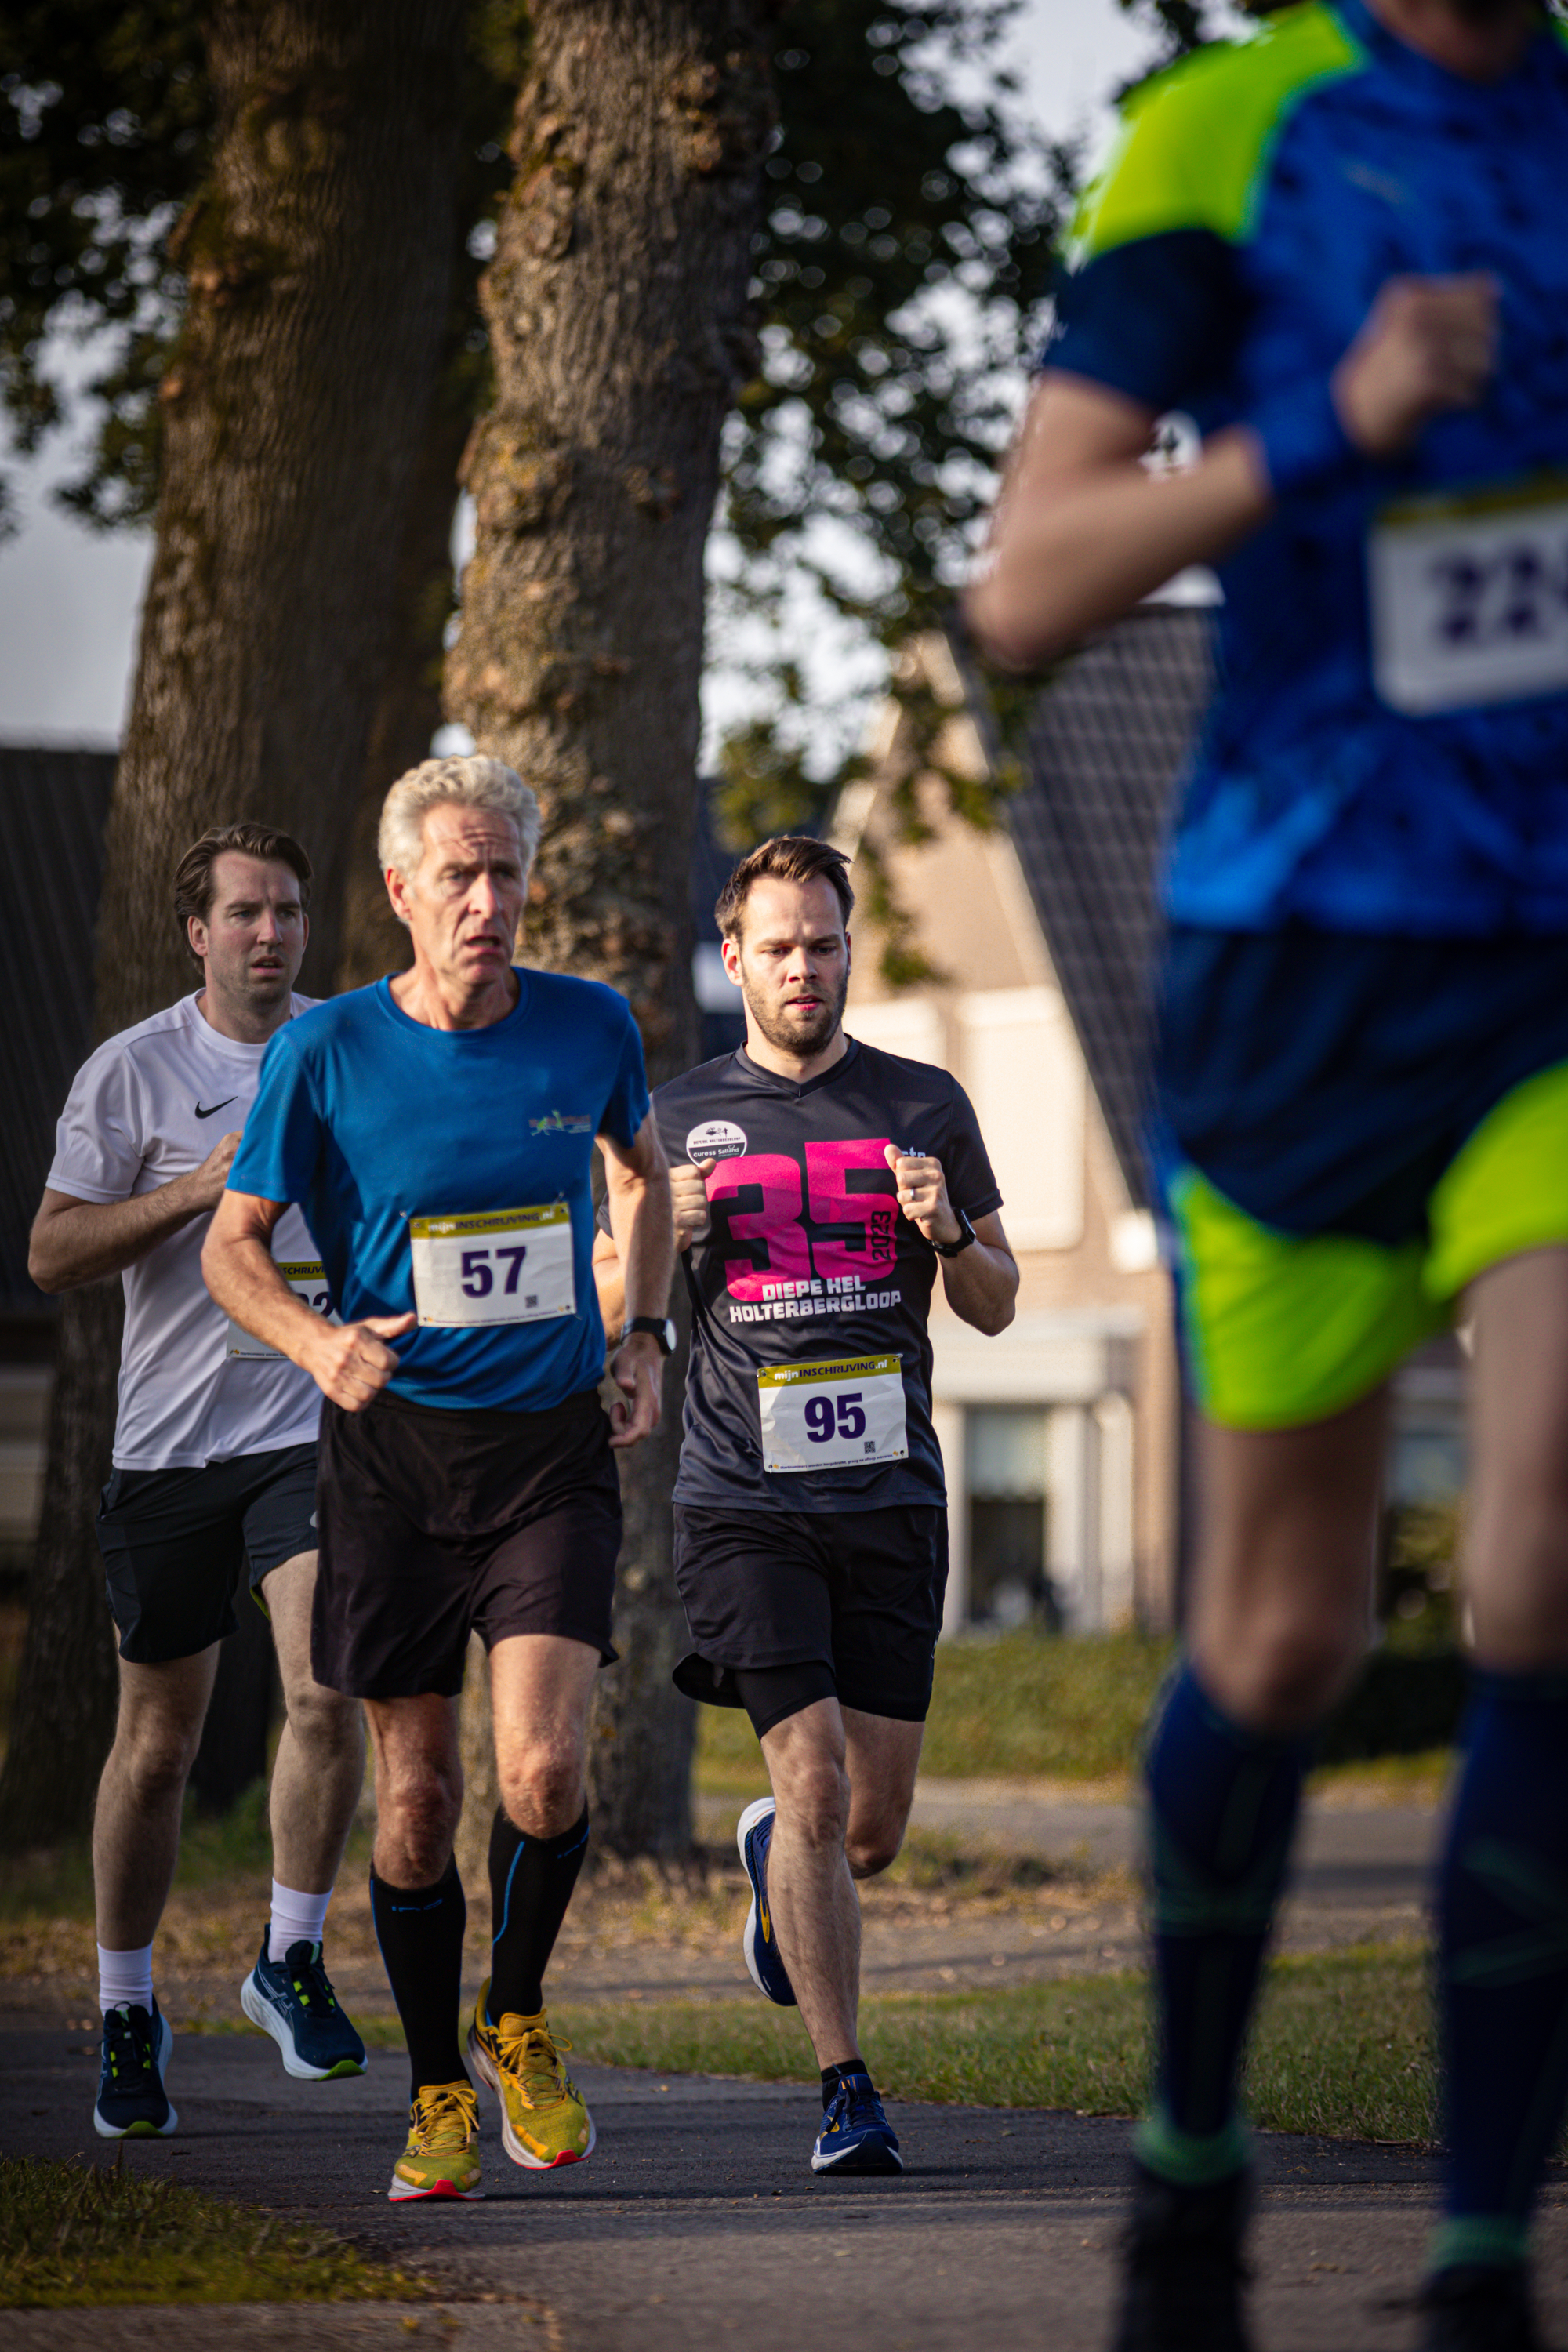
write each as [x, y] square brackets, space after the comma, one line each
[125, 1978]
[296, 1919]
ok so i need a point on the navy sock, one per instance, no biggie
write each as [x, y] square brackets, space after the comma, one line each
[420, 1931]
[1502, 1906]
[531, 1881]
[833, 2076]
[1222, 1807]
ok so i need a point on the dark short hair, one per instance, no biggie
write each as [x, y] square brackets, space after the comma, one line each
[195, 888]
[787, 857]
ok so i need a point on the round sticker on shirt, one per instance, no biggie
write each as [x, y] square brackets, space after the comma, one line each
[716, 1138]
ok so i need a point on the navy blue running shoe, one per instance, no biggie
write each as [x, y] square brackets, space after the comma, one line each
[292, 2000]
[753, 1835]
[1479, 2310]
[855, 2135]
[132, 2101]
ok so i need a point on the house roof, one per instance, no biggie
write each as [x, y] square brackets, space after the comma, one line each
[52, 805]
[1106, 741]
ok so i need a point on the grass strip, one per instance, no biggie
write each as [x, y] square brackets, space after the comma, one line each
[1344, 2046]
[1024, 1708]
[72, 2234]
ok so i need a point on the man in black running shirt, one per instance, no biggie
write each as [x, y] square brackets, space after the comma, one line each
[817, 1184]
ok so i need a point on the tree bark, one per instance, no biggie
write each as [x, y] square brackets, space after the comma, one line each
[617, 308]
[64, 1717]
[408, 706]
[319, 267]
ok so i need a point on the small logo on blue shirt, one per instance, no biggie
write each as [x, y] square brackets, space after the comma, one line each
[561, 1122]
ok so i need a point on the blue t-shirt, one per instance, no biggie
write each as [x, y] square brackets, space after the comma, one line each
[369, 1120]
[1260, 196]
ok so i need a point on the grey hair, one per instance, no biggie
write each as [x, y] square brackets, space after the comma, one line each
[463, 781]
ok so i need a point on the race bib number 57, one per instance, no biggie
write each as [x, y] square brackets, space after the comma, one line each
[1469, 597]
[832, 1416]
[499, 1265]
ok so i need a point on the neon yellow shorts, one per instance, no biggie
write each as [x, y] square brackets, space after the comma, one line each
[1282, 1328]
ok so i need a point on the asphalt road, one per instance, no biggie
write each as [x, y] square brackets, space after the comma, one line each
[697, 2221]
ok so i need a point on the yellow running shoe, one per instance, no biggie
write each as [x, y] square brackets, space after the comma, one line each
[440, 2159]
[543, 2120]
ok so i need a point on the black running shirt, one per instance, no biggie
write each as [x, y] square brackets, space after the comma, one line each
[808, 1261]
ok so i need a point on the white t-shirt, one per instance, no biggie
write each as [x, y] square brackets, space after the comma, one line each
[149, 1106]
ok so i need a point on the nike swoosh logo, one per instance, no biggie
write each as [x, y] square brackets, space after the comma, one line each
[215, 1106]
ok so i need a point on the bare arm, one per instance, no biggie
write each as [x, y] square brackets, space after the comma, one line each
[982, 1285]
[1083, 530]
[688, 1204]
[75, 1241]
[637, 1181]
[349, 1362]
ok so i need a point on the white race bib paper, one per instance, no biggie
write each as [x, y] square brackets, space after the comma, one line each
[307, 1281]
[833, 1416]
[499, 1265]
[1469, 596]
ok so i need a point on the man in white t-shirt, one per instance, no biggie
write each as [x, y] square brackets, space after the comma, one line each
[214, 1470]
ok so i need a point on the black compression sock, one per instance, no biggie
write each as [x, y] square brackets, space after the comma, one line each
[833, 2076]
[531, 1884]
[420, 1931]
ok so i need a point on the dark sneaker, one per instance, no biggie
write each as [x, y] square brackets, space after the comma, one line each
[855, 2135]
[1184, 2274]
[132, 2101]
[292, 2000]
[1472, 2309]
[753, 1835]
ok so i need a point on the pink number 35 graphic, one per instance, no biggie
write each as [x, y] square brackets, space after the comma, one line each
[776, 1222]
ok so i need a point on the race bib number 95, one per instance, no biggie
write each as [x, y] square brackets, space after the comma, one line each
[307, 1280]
[1469, 597]
[832, 1416]
[499, 1265]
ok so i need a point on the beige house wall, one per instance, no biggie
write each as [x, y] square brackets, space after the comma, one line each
[976, 923]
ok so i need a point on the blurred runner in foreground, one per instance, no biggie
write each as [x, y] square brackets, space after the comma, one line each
[1340, 247]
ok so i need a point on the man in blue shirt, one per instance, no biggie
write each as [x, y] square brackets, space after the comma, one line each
[1339, 249]
[439, 1131]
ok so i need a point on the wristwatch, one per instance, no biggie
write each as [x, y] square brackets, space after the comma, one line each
[658, 1326]
[965, 1235]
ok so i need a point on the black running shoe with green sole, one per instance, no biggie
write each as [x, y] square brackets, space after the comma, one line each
[132, 2101]
[1184, 2274]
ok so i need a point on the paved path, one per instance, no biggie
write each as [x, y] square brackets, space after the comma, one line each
[697, 2220]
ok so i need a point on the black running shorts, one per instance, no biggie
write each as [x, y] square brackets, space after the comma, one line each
[436, 1523]
[175, 1542]
[857, 1593]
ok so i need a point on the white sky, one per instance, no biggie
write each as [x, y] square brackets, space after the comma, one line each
[69, 597]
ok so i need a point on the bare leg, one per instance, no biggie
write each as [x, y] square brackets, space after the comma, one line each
[136, 1823]
[1281, 1602]
[1516, 1568]
[418, 1787]
[319, 1765]
[821, 1808]
[540, 1687]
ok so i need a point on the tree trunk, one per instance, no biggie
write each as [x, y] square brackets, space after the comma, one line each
[408, 708]
[64, 1717]
[319, 264]
[247, 1694]
[617, 308]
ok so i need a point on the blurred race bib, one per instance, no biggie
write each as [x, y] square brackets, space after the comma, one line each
[307, 1281]
[499, 1265]
[1469, 597]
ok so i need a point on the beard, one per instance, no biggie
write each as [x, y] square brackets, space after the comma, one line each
[1483, 12]
[793, 1034]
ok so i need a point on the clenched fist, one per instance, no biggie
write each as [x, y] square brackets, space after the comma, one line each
[350, 1363]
